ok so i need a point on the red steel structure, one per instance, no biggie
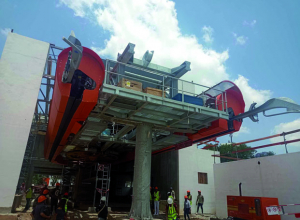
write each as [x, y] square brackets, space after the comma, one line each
[72, 102]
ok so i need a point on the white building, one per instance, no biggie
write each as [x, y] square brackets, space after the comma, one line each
[186, 169]
[274, 176]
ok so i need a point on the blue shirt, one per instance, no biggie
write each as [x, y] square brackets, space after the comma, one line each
[187, 204]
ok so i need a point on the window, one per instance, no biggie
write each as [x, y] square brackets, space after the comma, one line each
[202, 178]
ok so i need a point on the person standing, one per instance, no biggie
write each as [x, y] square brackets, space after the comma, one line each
[23, 189]
[40, 212]
[199, 201]
[156, 201]
[54, 194]
[171, 210]
[102, 209]
[172, 193]
[190, 199]
[187, 208]
[64, 201]
[28, 197]
[60, 212]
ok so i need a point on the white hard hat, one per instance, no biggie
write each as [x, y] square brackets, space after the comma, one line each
[103, 198]
[170, 201]
[32, 184]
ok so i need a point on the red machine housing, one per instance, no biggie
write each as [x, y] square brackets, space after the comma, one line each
[67, 113]
[246, 207]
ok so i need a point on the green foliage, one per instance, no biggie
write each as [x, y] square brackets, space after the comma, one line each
[54, 179]
[270, 153]
[37, 179]
[226, 149]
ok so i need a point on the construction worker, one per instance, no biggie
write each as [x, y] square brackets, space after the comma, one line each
[44, 193]
[171, 210]
[186, 207]
[172, 193]
[156, 200]
[60, 212]
[41, 211]
[170, 196]
[54, 194]
[28, 197]
[102, 209]
[190, 198]
[43, 188]
[200, 201]
[65, 200]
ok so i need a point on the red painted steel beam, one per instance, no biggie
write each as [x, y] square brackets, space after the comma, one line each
[264, 138]
[262, 146]
[210, 146]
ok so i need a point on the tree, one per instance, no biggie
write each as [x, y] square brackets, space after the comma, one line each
[37, 179]
[265, 154]
[226, 149]
[54, 179]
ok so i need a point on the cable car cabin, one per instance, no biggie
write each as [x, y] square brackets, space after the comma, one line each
[246, 207]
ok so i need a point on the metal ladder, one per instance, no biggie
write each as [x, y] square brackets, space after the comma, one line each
[103, 175]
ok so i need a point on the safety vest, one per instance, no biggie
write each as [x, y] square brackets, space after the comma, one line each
[66, 204]
[156, 196]
[150, 196]
[172, 213]
[190, 200]
[29, 194]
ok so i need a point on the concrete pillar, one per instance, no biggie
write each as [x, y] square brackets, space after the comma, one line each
[22, 65]
[140, 208]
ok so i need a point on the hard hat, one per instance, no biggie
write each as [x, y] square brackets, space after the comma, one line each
[171, 187]
[150, 187]
[199, 191]
[45, 192]
[170, 201]
[103, 198]
[188, 191]
[66, 194]
[32, 184]
[41, 198]
[185, 197]
[57, 184]
[156, 187]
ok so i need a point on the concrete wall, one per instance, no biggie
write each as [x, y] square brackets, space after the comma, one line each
[192, 161]
[164, 172]
[275, 176]
[21, 68]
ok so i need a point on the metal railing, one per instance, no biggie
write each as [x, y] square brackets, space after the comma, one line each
[158, 82]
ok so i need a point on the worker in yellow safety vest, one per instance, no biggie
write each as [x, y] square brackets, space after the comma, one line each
[171, 210]
[29, 193]
[156, 201]
[65, 200]
[190, 199]
[170, 196]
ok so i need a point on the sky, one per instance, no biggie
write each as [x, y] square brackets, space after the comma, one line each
[255, 44]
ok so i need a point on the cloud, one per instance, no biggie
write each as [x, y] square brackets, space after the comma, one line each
[250, 94]
[286, 127]
[5, 31]
[250, 23]
[207, 34]
[153, 25]
[240, 40]
[243, 130]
